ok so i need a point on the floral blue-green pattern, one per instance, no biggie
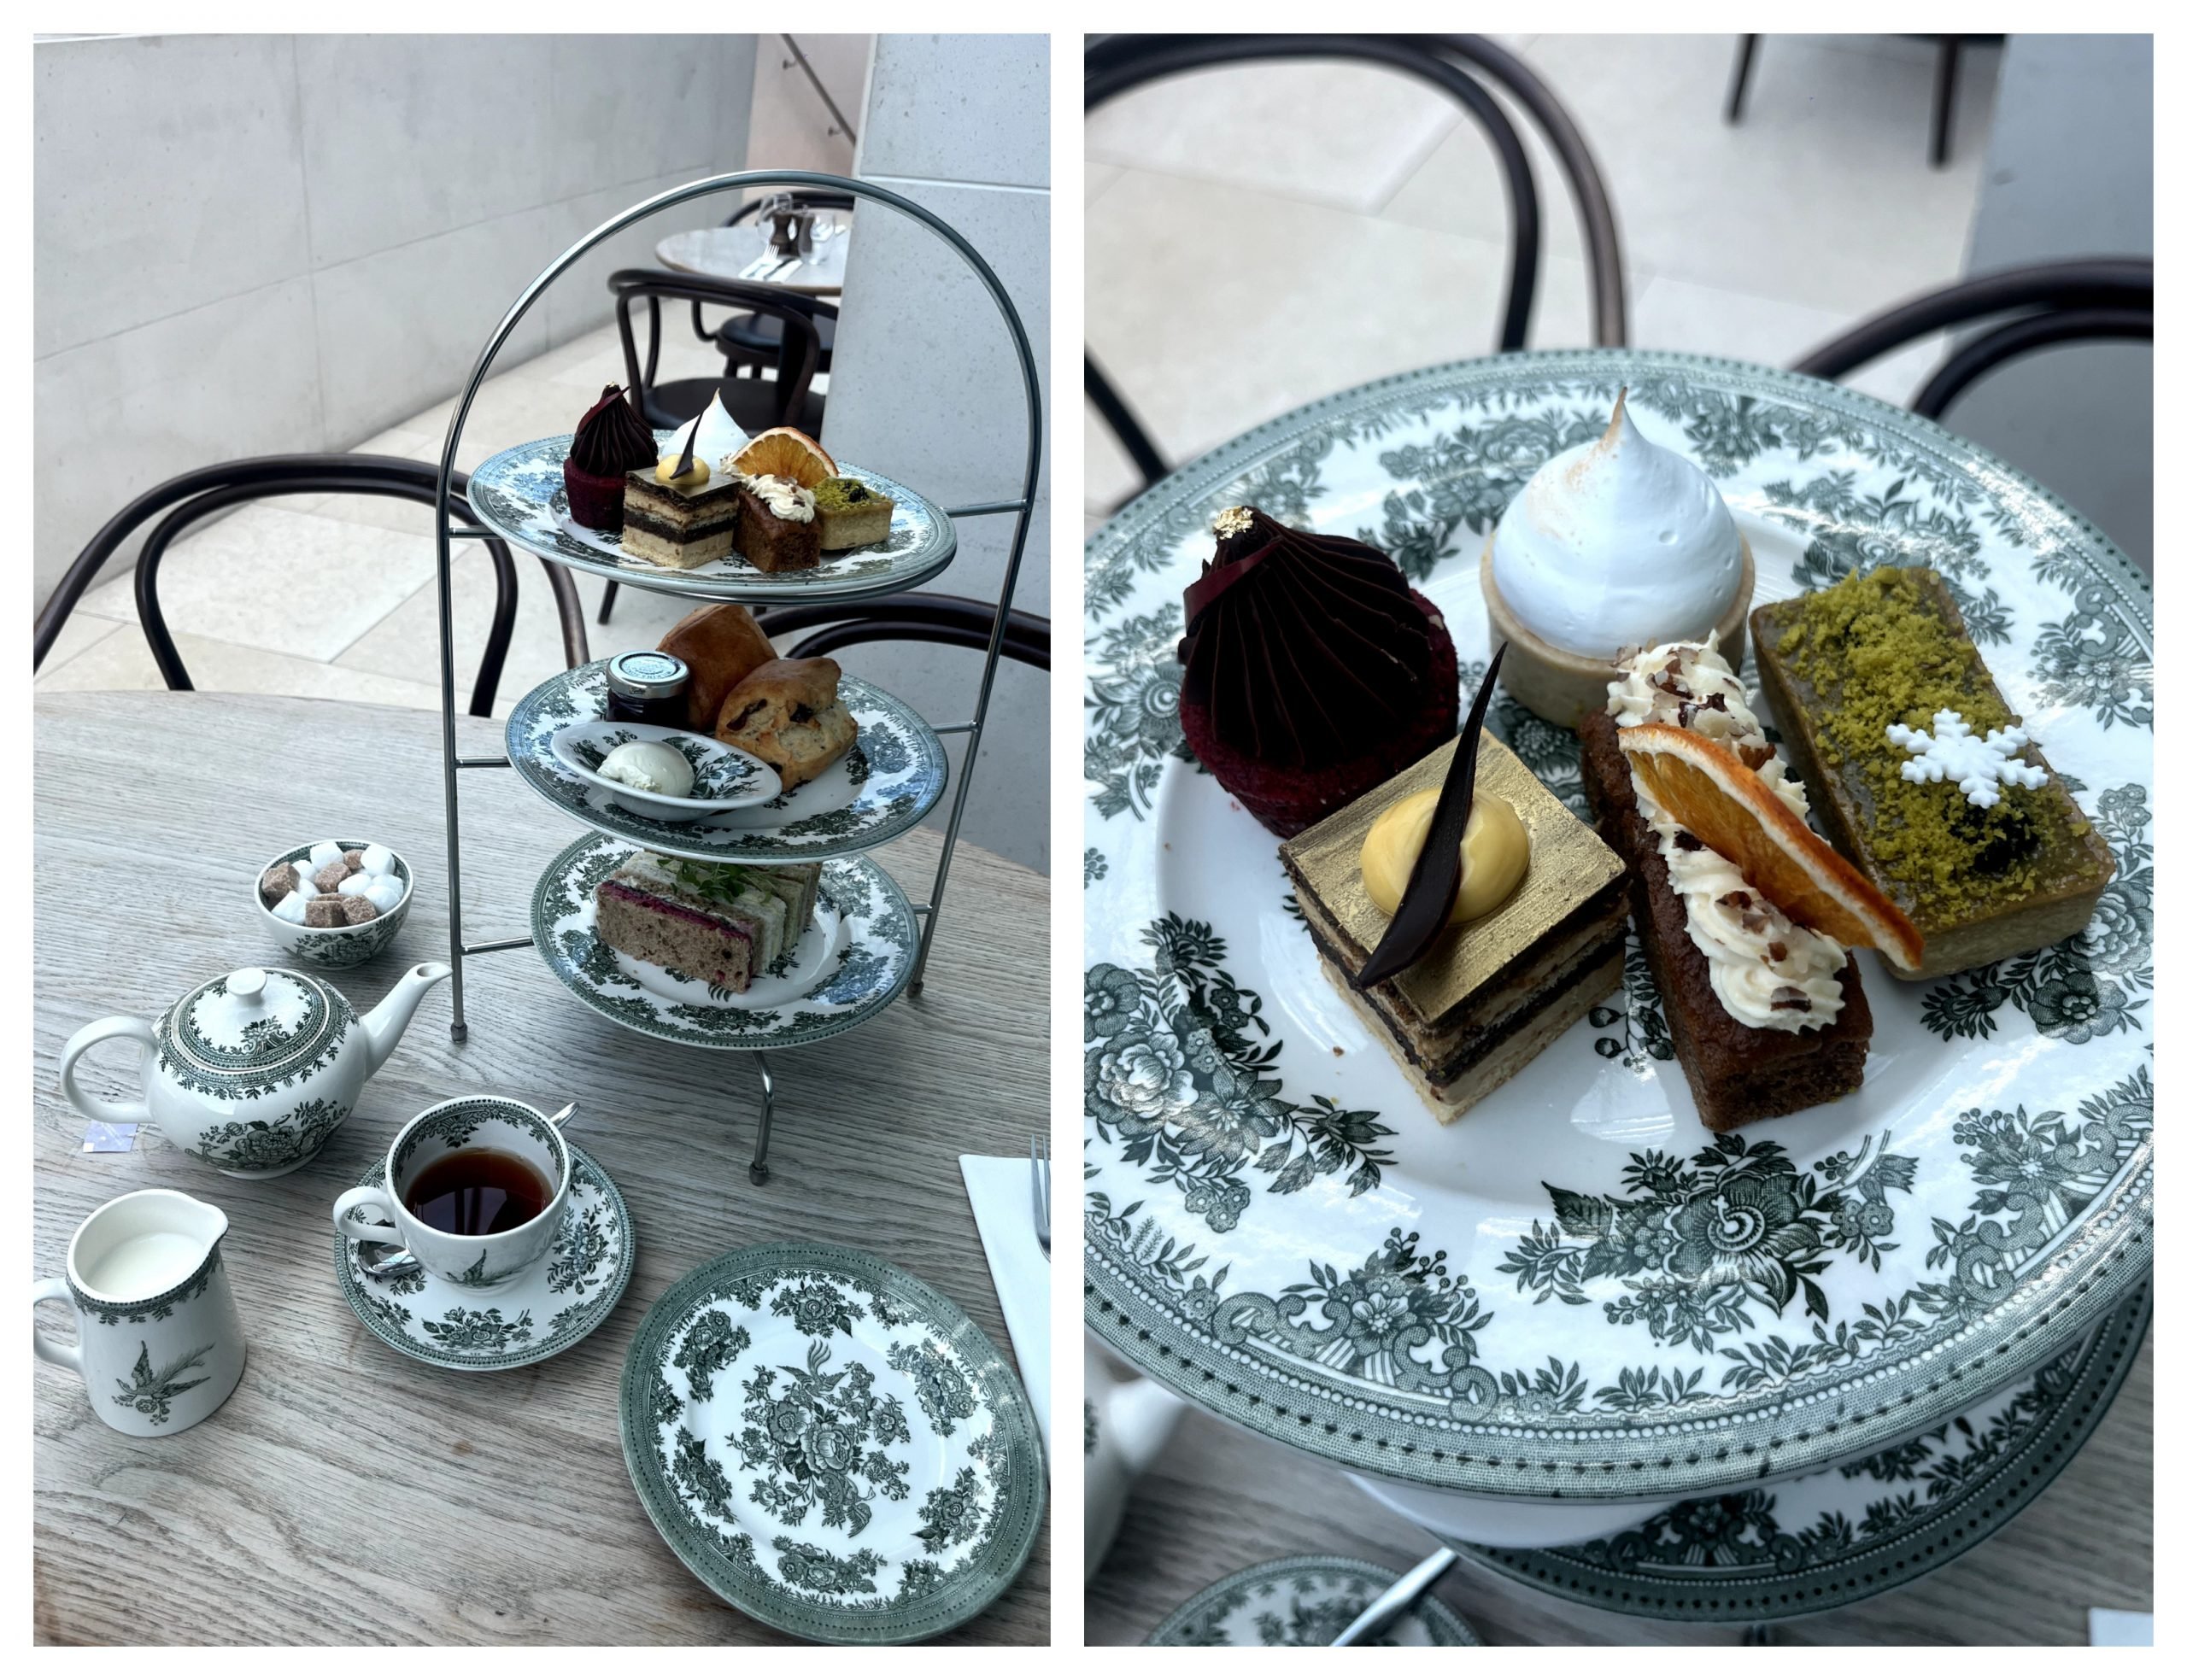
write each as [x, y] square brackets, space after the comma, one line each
[519, 495]
[1842, 1535]
[1303, 1601]
[875, 966]
[897, 763]
[768, 1442]
[1712, 1309]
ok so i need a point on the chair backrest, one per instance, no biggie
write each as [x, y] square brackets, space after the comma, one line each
[1117, 63]
[803, 199]
[800, 351]
[954, 621]
[195, 496]
[2045, 303]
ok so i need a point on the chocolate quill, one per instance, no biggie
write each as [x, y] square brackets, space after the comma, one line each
[1432, 887]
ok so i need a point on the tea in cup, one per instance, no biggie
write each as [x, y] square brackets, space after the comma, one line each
[474, 1188]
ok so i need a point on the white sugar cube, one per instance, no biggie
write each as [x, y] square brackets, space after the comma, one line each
[326, 852]
[386, 892]
[291, 908]
[361, 884]
[378, 860]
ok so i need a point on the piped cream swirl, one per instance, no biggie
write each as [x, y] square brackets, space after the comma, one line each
[1766, 969]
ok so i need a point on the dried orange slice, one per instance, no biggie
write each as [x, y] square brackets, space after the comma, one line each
[785, 451]
[1707, 791]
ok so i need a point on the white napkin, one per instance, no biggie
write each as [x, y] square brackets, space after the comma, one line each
[1001, 1190]
[2121, 1627]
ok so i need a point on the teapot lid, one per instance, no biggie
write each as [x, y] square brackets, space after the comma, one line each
[253, 1027]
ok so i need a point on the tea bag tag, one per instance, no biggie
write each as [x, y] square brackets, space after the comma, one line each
[107, 1136]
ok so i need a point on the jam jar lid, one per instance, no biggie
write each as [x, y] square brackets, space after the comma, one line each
[646, 675]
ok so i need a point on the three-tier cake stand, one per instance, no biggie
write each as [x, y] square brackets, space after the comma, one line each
[544, 541]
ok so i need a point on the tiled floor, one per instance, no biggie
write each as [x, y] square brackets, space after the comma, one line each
[1259, 237]
[332, 597]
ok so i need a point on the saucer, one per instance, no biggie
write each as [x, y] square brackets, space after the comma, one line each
[1303, 1601]
[723, 778]
[552, 1310]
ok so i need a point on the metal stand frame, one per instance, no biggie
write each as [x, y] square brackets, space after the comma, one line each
[445, 534]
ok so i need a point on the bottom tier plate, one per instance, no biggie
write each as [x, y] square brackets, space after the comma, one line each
[855, 961]
[1836, 1536]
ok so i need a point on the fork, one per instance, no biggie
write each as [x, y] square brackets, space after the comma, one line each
[1040, 1164]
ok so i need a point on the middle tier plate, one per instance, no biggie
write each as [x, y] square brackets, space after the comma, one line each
[871, 935]
[892, 776]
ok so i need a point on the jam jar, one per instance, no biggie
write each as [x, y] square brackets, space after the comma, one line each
[647, 687]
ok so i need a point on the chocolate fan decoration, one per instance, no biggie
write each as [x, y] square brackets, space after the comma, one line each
[1433, 885]
[690, 445]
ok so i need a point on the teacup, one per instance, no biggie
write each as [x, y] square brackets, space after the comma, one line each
[484, 1264]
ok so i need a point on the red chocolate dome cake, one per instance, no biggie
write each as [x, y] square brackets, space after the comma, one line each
[1313, 671]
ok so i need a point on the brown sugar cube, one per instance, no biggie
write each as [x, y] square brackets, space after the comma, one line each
[356, 906]
[332, 876]
[355, 858]
[276, 883]
[325, 912]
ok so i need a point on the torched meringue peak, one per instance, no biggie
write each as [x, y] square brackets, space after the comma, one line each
[1617, 543]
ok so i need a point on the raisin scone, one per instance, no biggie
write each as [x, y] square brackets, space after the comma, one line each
[787, 713]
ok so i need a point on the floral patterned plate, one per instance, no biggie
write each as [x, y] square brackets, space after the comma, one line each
[1303, 1601]
[831, 1445]
[536, 1318]
[892, 776]
[857, 970]
[1839, 1535]
[1576, 1291]
[518, 495]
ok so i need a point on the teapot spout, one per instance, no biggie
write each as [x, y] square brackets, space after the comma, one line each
[384, 1026]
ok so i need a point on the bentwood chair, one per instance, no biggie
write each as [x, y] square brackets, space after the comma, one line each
[1940, 106]
[1453, 64]
[2043, 303]
[195, 496]
[953, 620]
[754, 403]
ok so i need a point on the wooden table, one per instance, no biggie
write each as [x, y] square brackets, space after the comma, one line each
[345, 1494]
[1219, 1499]
[724, 253]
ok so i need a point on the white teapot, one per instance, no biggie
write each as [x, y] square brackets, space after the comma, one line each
[1127, 1424]
[254, 1070]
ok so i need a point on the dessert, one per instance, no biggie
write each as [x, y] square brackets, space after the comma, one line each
[1517, 913]
[680, 514]
[785, 452]
[711, 434]
[1764, 1007]
[334, 887]
[611, 440]
[852, 513]
[721, 645]
[787, 713]
[1313, 671]
[780, 523]
[722, 923]
[1921, 773]
[649, 767]
[1612, 545]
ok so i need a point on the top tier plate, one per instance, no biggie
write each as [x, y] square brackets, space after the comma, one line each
[1576, 1291]
[518, 496]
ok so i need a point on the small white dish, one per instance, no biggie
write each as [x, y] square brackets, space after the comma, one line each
[336, 947]
[723, 778]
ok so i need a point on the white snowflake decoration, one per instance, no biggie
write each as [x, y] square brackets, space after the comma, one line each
[1979, 764]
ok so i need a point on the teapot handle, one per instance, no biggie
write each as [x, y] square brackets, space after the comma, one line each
[54, 1289]
[113, 1027]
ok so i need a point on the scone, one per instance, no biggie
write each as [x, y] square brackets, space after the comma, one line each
[786, 713]
[723, 644]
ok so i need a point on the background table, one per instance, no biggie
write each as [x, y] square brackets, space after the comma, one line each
[1219, 1499]
[345, 1494]
[724, 253]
